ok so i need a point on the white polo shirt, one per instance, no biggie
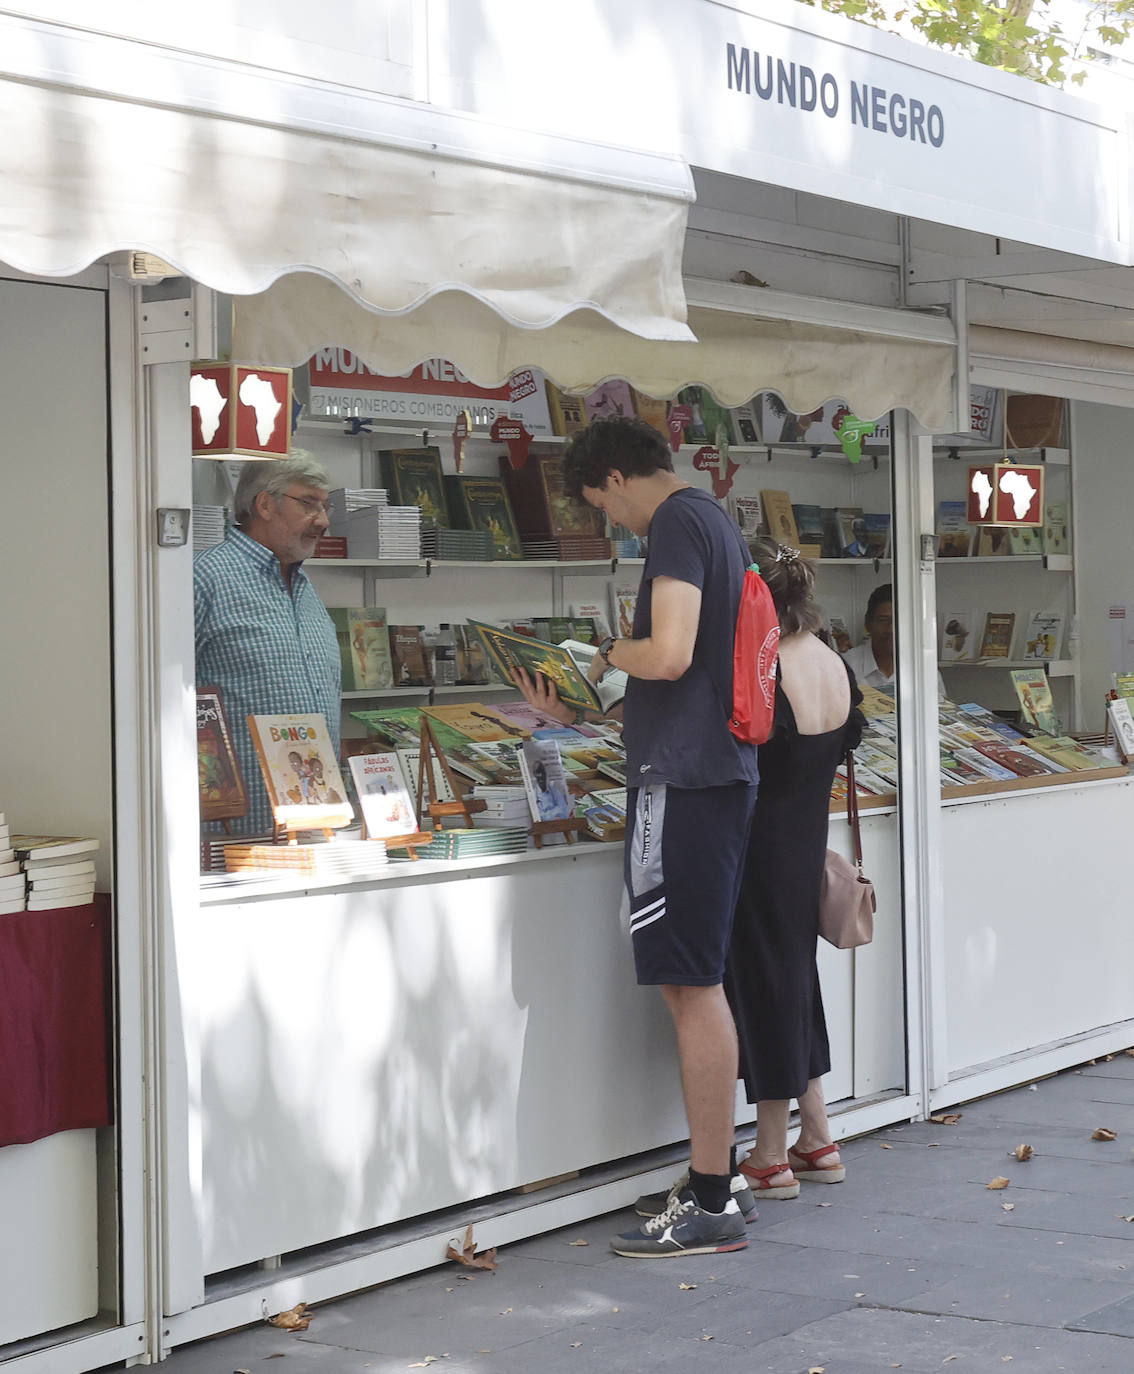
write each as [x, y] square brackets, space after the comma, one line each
[861, 659]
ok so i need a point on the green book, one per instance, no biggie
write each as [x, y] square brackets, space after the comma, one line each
[481, 503]
[507, 650]
[413, 477]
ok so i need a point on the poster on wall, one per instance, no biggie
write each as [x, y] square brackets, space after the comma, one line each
[430, 396]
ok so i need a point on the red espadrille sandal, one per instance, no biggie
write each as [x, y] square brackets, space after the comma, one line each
[761, 1183]
[805, 1165]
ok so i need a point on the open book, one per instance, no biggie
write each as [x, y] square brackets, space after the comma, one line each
[612, 688]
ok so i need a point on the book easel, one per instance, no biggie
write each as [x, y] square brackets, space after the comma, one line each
[287, 832]
[419, 839]
[426, 788]
[569, 827]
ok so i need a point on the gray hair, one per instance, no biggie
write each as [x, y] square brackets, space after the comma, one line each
[275, 476]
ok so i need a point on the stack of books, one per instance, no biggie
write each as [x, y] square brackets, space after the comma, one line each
[465, 546]
[330, 859]
[566, 548]
[392, 532]
[474, 843]
[210, 526]
[59, 870]
[344, 500]
[13, 885]
[505, 807]
[213, 849]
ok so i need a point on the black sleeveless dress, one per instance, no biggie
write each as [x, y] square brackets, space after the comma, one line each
[771, 978]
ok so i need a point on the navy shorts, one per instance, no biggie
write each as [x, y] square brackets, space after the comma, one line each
[684, 860]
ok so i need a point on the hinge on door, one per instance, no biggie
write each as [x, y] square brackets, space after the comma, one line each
[165, 331]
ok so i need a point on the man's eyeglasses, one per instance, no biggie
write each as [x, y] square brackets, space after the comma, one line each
[310, 504]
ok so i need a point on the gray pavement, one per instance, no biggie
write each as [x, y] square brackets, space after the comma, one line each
[912, 1264]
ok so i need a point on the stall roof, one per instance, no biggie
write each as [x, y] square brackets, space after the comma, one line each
[237, 175]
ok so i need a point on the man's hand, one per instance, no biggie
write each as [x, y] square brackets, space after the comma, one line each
[540, 693]
[596, 669]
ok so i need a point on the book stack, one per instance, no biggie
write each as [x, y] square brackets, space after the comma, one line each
[344, 501]
[473, 843]
[463, 546]
[382, 531]
[13, 884]
[213, 849]
[505, 807]
[210, 526]
[331, 859]
[59, 870]
[567, 548]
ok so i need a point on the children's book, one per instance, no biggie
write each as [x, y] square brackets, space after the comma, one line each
[481, 503]
[301, 773]
[996, 640]
[958, 636]
[383, 795]
[1043, 637]
[1037, 708]
[476, 721]
[507, 651]
[219, 780]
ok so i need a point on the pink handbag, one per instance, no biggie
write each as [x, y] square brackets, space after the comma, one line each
[846, 899]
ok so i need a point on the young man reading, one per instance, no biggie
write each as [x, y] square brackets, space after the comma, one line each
[693, 787]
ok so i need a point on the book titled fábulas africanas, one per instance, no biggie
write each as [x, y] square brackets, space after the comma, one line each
[506, 651]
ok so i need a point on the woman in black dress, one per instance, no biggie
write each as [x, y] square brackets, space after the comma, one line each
[771, 981]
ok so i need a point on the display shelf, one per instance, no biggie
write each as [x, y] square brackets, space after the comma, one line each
[959, 453]
[873, 563]
[392, 567]
[442, 689]
[412, 435]
[1052, 562]
[426, 567]
[1056, 667]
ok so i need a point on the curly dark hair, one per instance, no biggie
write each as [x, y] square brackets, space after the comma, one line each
[623, 443]
[792, 584]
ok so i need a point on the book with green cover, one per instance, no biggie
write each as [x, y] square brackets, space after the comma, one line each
[481, 503]
[364, 647]
[507, 650]
[413, 477]
[1036, 705]
[401, 726]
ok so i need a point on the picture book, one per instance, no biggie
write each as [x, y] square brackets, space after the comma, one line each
[568, 413]
[545, 781]
[1069, 752]
[401, 727]
[958, 639]
[219, 779]
[877, 534]
[481, 503]
[301, 773]
[996, 639]
[383, 795]
[1055, 528]
[809, 524]
[541, 504]
[364, 647]
[506, 651]
[710, 422]
[413, 477]
[779, 518]
[852, 532]
[748, 514]
[1037, 708]
[475, 721]
[623, 602]
[609, 399]
[1121, 726]
[954, 533]
[1043, 637]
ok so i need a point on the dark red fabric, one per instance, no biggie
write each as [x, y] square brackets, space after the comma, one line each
[54, 1021]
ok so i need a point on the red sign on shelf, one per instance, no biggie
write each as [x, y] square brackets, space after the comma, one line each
[719, 466]
[515, 435]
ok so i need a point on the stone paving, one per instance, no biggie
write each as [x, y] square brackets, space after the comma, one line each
[913, 1263]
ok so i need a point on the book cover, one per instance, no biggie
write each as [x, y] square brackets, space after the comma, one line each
[1026, 539]
[1043, 637]
[383, 795]
[481, 503]
[748, 514]
[525, 716]
[219, 780]
[1025, 763]
[852, 532]
[877, 534]
[568, 413]
[588, 622]
[609, 399]
[779, 517]
[832, 544]
[410, 759]
[401, 727]
[498, 759]
[541, 504]
[301, 773]
[545, 781]
[611, 689]
[472, 666]
[996, 639]
[364, 647]
[623, 603]
[1124, 685]
[958, 639]
[1122, 727]
[809, 526]
[1036, 705]
[1055, 528]
[954, 533]
[476, 721]
[654, 410]
[746, 423]
[408, 656]
[982, 764]
[51, 847]
[710, 422]
[1069, 752]
[413, 477]
[993, 542]
[507, 651]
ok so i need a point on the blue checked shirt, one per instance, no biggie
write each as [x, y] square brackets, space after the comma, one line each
[270, 651]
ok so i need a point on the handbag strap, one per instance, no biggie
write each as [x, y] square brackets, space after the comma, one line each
[852, 810]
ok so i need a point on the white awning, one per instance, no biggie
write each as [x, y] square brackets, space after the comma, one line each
[748, 340]
[237, 176]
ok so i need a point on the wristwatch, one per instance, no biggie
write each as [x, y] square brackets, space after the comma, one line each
[604, 649]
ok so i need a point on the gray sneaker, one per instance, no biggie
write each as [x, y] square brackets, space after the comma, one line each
[653, 1204]
[684, 1228]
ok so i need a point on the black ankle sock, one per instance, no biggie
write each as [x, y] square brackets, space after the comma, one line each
[710, 1190]
[731, 1161]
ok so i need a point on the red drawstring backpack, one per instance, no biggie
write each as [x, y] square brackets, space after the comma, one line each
[754, 653]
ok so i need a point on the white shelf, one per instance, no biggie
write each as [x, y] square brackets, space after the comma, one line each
[851, 562]
[447, 690]
[414, 567]
[1052, 562]
[410, 434]
[426, 567]
[1056, 667]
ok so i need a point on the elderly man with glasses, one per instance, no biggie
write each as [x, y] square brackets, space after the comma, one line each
[263, 637]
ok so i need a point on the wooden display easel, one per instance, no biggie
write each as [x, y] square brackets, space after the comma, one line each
[286, 832]
[569, 827]
[419, 839]
[437, 810]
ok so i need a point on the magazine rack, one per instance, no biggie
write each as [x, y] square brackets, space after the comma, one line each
[438, 810]
[569, 827]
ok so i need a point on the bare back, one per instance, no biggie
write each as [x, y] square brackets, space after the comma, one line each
[814, 680]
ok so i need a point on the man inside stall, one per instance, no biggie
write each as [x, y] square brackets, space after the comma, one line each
[873, 659]
[263, 636]
[692, 792]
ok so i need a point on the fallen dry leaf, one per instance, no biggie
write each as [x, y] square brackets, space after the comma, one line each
[467, 1254]
[706, 1338]
[241, 1371]
[1104, 1133]
[883, 1146]
[1122, 1218]
[578, 1242]
[998, 1182]
[293, 1319]
[1007, 1206]
[1129, 1052]
[817, 1369]
[860, 1295]
[576, 1344]
[1006, 1359]
[1023, 1153]
[949, 1359]
[946, 1119]
[823, 1204]
[687, 1287]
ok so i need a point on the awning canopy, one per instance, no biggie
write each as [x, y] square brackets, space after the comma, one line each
[237, 176]
[747, 340]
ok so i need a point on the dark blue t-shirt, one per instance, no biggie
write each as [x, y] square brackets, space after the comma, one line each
[677, 732]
